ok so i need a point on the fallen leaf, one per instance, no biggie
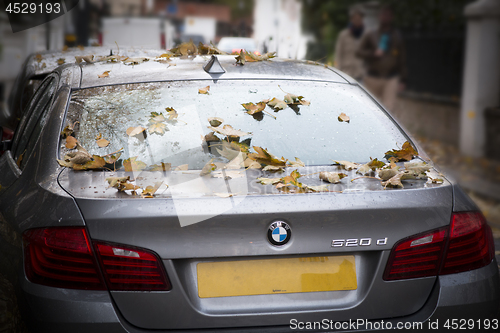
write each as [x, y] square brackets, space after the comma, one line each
[406, 153]
[172, 114]
[61, 61]
[150, 191]
[297, 164]
[254, 108]
[229, 131]
[386, 174]
[185, 49]
[68, 130]
[295, 99]
[277, 104]
[132, 164]
[211, 137]
[98, 136]
[71, 142]
[272, 168]
[251, 164]
[344, 118]
[209, 49]
[133, 131]
[161, 167]
[111, 159]
[347, 165]
[105, 74]
[102, 143]
[394, 181]
[215, 121]
[121, 183]
[204, 90]
[268, 181]
[264, 157]
[158, 128]
[96, 163]
[331, 177]
[135, 61]
[88, 59]
[208, 168]
[370, 166]
[183, 167]
[317, 188]
[240, 59]
[38, 57]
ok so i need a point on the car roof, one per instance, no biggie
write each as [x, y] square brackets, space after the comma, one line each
[192, 69]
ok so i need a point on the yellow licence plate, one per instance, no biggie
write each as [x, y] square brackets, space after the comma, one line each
[276, 276]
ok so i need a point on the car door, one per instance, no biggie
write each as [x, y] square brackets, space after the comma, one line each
[13, 161]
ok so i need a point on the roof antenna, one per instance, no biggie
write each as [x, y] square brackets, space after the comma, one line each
[213, 66]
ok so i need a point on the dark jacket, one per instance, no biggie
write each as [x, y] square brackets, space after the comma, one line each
[391, 63]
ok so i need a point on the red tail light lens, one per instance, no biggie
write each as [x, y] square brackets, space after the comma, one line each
[468, 246]
[61, 257]
[127, 268]
[417, 256]
[471, 243]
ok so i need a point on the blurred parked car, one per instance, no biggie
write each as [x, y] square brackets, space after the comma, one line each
[144, 195]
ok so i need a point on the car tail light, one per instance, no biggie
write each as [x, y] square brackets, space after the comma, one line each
[127, 268]
[61, 257]
[417, 256]
[471, 243]
[465, 245]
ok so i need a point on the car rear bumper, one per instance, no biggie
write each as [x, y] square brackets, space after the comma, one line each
[473, 295]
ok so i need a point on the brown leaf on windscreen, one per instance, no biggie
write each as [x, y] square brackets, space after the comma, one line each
[172, 114]
[158, 128]
[38, 57]
[277, 104]
[347, 165]
[71, 142]
[88, 59]
[150, 191]
[161, 167]
[264, 157]
[344, 118]
[110, 159]
[121, 183]
[61, 61]
[183, 167]
[229, 131]
[98, 136]
[132, 164]
[96, 164]
[204, 90]
[185, 49]
[215, 121]
[133, 131]
[254, 108]
[103, 75]
[331, 177]
[102, 143]
[406, 153]
[394, 181]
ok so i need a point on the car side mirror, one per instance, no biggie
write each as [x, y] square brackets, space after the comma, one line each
[4, 144]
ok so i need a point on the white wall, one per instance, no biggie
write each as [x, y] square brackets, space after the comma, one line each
[277, 24]
[204, 26]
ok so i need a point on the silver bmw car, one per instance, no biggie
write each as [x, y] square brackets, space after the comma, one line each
[202, 193]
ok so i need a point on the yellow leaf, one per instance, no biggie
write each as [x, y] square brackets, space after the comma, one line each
[133, 131]
[157, 128]
[132, 164]
[344, 118]
[204, 90]
[105, 74]
[102, 143]
[71, 142]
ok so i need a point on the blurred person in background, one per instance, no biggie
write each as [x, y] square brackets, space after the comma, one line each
[348, 43]
[383, 54]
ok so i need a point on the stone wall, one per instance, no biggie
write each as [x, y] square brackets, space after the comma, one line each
[430, 118]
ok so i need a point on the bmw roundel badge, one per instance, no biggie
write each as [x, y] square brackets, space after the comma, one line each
[279, 233]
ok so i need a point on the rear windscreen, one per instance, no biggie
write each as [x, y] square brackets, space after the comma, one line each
[169, 121]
